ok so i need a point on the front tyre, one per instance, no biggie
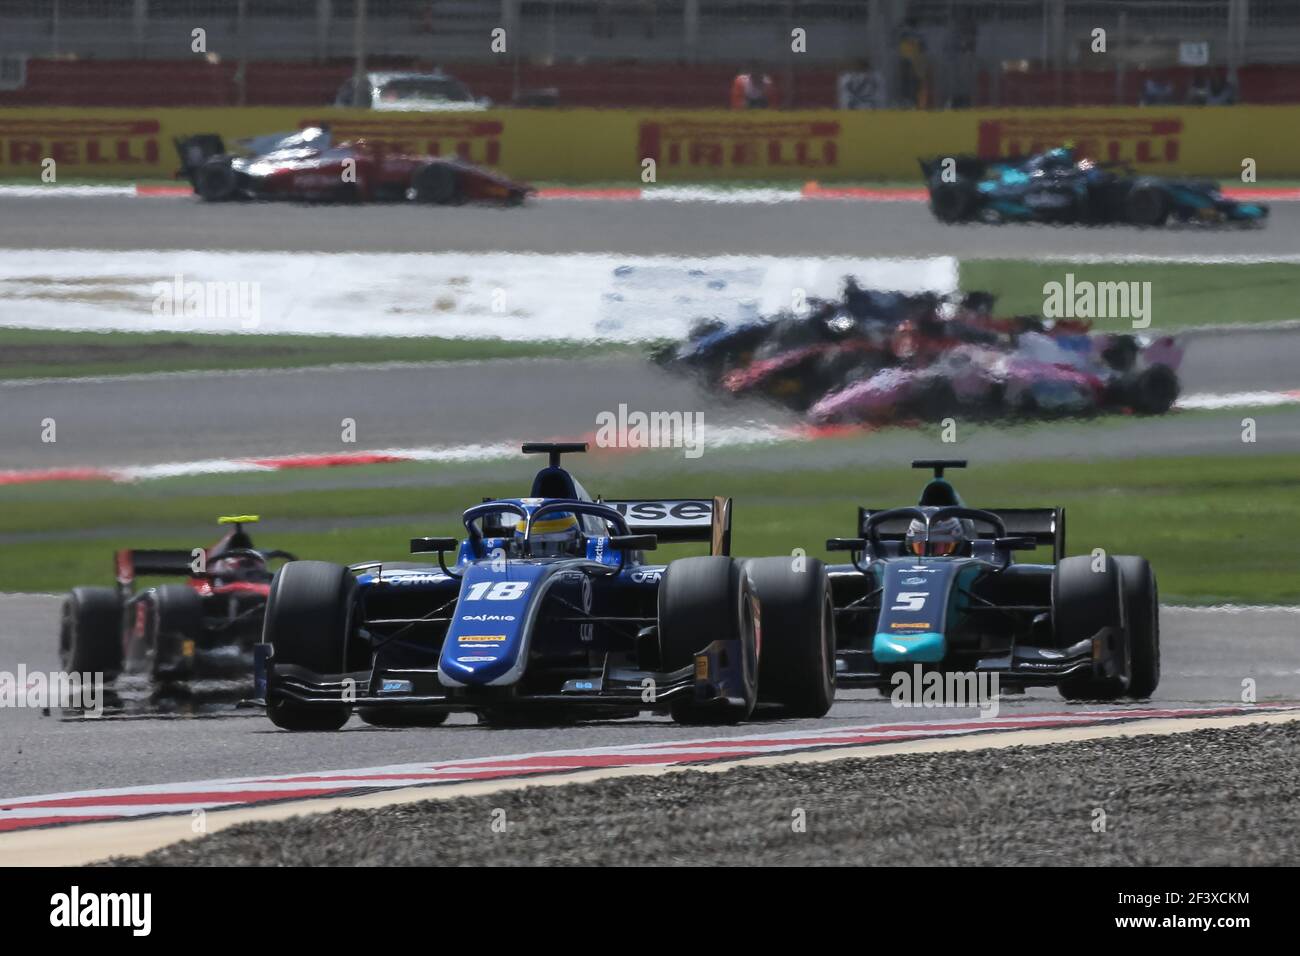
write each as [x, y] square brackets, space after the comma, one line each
[1142, 620]
[702, 600]
[796, 668]
[1083, 602]
[309, 622]
[1146, 205]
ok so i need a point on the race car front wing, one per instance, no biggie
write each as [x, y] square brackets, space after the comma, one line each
[714, 677]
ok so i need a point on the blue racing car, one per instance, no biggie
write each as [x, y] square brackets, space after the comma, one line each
[1058, 186]
[936, 586]
[548, 612]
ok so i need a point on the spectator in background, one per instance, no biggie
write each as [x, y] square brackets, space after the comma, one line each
[1157, 92]
[1198, 94]
[753, 90]
[913, 68]
[1223, 92]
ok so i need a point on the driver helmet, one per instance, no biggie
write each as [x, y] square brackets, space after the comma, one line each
[947, 537]
[240, 567]
[556, 533]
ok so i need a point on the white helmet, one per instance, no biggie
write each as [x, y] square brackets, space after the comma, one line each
[947, 537]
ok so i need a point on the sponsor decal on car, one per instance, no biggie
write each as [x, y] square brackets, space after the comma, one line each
[476, 660]
[418, 578]
[475, 139]
[481, 638]
[649, 513]
[910, 581]
[487, 617]
[908, 626]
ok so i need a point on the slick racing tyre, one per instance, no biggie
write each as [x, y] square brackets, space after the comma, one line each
[1155, 390]
[952, 202]
[702, 600]
[1083, 602]
[796, 668]
[90, 632]
[436, 185]
[1146, 205]
[1142, 618]
[309, 621]
[175, 617]
[215, 181]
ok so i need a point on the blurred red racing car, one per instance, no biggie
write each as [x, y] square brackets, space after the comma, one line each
[307, 165]
[203, 626]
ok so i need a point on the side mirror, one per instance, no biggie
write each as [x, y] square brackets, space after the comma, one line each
[1015, 544]
[846, 544]
[433, 545]
[634, 542]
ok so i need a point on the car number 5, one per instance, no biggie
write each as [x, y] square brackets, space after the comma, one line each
[909, 601]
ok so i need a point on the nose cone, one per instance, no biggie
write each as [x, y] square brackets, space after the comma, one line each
[926, 647]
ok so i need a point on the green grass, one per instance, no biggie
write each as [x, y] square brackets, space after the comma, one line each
[42, 353]
[1199, 520]
[1182, 294]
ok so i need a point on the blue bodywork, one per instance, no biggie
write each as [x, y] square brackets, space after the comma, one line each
[516, 618]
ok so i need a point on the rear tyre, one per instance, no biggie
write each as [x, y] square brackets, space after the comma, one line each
[1142, 618]
[702, 600]
[952, 202]
[436, 185]
[90, 632]
[389, 717]
[1146, 205]
[1083, 602]
[309, 621]
[796, 663]
[175, 616]
[215, 181]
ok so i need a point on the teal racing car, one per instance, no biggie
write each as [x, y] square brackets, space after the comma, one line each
[936, 586]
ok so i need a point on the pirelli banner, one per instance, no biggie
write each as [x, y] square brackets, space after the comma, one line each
[613, 146]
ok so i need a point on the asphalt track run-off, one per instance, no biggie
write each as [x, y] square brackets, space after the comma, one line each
[148, 420]
[812, 227]
[168, 418]
[40, 754]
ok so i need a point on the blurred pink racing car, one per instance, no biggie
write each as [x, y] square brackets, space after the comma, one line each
[1045, 375]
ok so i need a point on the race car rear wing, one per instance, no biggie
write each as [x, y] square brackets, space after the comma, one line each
[1044, 525]
[194, 151]
[130, 563]
[680, 519]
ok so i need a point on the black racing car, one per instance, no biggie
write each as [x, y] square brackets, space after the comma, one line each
[203, 626]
